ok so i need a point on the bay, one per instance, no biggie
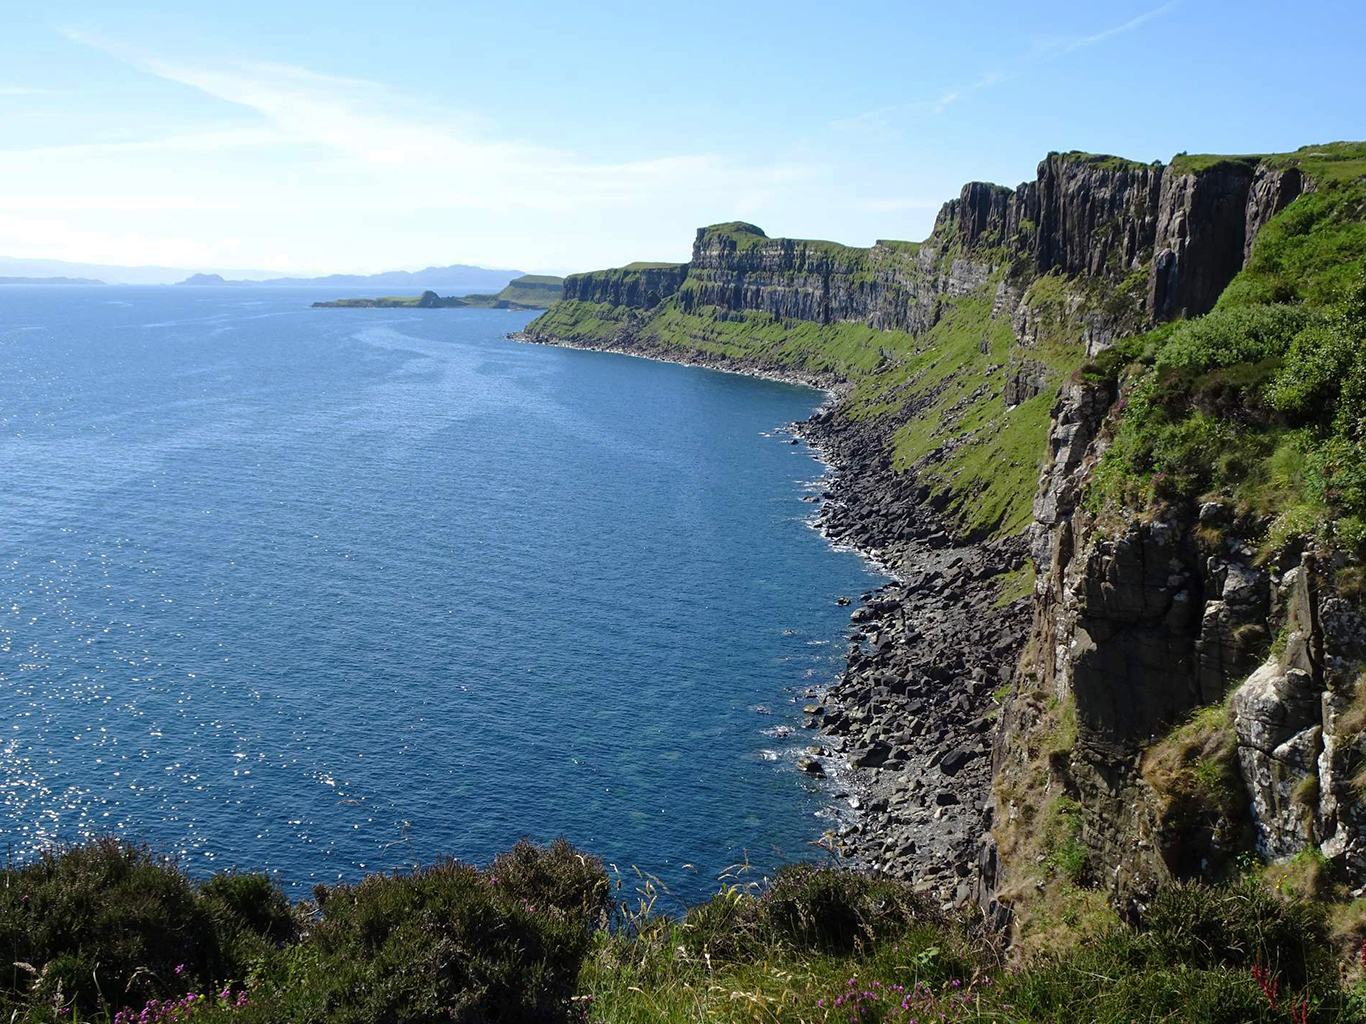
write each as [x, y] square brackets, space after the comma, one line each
[325, 592]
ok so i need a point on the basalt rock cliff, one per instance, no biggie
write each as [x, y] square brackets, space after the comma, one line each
[1018, 705]
[1098, 217]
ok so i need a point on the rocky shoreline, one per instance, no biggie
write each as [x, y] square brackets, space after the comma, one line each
[910, 724]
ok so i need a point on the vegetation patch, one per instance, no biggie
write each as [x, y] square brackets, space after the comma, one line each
[1193, 774]
[1264, 399]
[532, 937]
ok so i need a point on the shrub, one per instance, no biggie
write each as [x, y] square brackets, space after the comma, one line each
[105, 923]
[249, 903]
[453, 942]
[1322, 357]
[556, 877]
[1227, 337]
[1240, 925]
[833, 910]
[1336, 474]
[807, 908]
[1114, 979]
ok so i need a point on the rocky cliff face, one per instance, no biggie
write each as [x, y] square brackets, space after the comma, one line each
[1096, 217]
[639, 286]
[890, 286]
[1299, 731]
[1136, 622]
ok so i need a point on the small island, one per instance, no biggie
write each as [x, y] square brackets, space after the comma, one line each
[530, 291]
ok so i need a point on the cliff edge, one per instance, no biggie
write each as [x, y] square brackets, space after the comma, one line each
[1105, 426]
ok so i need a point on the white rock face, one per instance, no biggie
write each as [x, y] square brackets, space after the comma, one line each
[1295, 752]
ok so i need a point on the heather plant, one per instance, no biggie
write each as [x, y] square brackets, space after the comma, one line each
[107, 924]
[1240, 925]
[446, 942]
[530, 938]
[806, 908]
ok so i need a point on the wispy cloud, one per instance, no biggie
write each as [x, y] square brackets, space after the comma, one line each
[357, 126]
[883, 118]
[1072, 45]
[21, 90]
[211, 140]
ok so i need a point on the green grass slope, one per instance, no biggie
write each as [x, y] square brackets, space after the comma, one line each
[942, 393]
[534, 291]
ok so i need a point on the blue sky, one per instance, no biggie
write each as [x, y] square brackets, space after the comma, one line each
[556, 137]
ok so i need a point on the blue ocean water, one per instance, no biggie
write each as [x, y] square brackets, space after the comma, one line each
[333, 591]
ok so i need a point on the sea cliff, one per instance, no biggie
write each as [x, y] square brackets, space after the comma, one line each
[1125, 643]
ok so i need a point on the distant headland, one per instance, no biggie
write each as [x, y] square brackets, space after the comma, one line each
[530, 291]
[457, 275]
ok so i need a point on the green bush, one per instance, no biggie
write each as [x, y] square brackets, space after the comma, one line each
[452, 942]
[105, 924]
[1336, 474]
[828, 909]
[524, 940]
[1114, 980]
[1227, 337]
[806, 907]
[557, 877]
[249, 903]
[1242, 925]
[1320, 359]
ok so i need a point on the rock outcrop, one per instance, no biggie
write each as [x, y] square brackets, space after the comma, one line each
[1300, 740]
[637, 286]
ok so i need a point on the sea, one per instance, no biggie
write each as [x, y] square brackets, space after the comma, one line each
[325, 592]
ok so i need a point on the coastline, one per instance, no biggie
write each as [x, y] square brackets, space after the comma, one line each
[907, 729]
[834, 387]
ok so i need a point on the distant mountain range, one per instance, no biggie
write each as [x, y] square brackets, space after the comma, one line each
[49, 280]
[457, 275]
[45, 269]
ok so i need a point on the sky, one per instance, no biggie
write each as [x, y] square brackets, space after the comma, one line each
[551, 137]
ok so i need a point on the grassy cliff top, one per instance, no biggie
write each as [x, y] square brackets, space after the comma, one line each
[1325, 162]
[1105, 160]
[734, 228]
[747, 236]
[526, 279]
[648, 265]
